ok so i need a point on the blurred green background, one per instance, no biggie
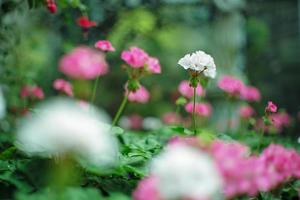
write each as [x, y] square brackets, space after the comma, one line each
[256, 40]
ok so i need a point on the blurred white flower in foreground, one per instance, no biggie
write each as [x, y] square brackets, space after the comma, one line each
[63, 127]
[2, 105]
[186, 173]
[199, 62]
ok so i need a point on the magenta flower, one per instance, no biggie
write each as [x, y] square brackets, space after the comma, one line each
[51, 6]
[104, 45]
[250, 93]
[63, 86]
[231, 85]
[246, 111]
[271, 107]
[171, 118]
[186, 90]
[280, 120]
[85, 23]
[135, 57]
[83, 63]
[32, 92]
[141, 95]
[147, 189]
[201, 109]
[153, 65]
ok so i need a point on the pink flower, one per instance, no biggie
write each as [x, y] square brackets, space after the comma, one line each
[201, 109]
[246, 111]
[141, 95]
[32, 91]
[104, 45]
[135, 121]
[51, 6]
[83, 63]
[280, 120]
[147, 189]
[135, 57]
[250, 93]
[63, 86]
[271, 107]
[153, 65]
[85, 23]
[186, 90]
[171, 118]
[231, 85]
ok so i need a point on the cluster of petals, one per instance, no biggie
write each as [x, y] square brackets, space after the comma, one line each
[199, 61]
[186, 90]
[63, 86]
[280, 120]
[32, 92]
[104, 45]
[250, 93]
[246, 111]
[85, 23]
[201, 109]
[83, 63]
[271, 107]
[141, 95]
[137, 58]
[231, 85]
[51, 6]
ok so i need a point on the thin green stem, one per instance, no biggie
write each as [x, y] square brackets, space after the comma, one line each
[193, 116]
[95, 90]
[120, 110]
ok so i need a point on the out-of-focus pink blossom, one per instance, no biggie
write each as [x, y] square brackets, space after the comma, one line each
[135, 57]
[280, 120]
[135, 121]
[246, 111]
[32, 91]
[141, 95]
[271, 107]
[153, 65]
[85, 23]
[231, 85]
[188, 91]
[63, 86]
[171, 118]
[201, 109]
[147, 189]
[250, 93]
[104, 45]
[51, 6]
[83, 63]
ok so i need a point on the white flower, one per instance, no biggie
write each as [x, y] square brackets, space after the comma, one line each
[200, 62]
[2, 105]
[63, 127]
[152, 123]
[184, 172]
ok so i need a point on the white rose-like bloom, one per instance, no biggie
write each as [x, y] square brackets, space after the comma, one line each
[63, 127]
[2, 105]
[200, 62]
[184, 172]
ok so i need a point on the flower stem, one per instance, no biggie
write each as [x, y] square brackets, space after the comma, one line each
[120, 110]
[193, 116]
[95, 90]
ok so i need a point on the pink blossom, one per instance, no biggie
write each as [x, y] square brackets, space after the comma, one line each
[147, 189]
[186, 90]
[231, 85]
[32, 91]
[51, 6]
[83, 63]
[250, 93]
[171, 118]
[135, 57]
[246, 111]
[201, 109]
[153, 65]
[85, 23]
[104, 45]
[141, 95]
[63, 86]
[280, 120]
[271, 107]
[135, 121]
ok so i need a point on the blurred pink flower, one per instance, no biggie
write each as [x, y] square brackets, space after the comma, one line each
[32, 91]
[83, 63]
[231, 85]
[104, 45]
[135, 57]
[171, 118]
[141, 95]
[147, 189]
[250, 93]
[186, 90]
[280, 120]
[135, 121]
[246, 111]
[201, 109]
[271, 107]
[85, 23]
[63, 86]
[153, 65]
[51, 6]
